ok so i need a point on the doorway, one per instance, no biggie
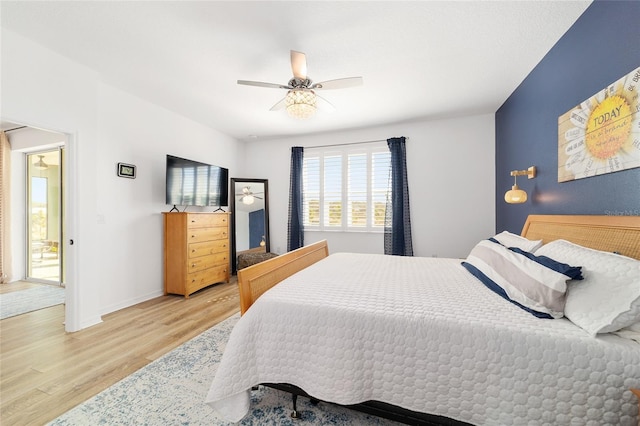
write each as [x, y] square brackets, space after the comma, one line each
[44, 221]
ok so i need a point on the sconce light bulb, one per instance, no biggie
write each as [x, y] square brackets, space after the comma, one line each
[515, 195]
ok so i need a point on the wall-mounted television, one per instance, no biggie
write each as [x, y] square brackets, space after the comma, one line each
[192, 183]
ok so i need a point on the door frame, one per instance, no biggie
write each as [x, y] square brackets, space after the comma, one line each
[70, 207]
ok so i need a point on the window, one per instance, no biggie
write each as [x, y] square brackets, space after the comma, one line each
[345, 188]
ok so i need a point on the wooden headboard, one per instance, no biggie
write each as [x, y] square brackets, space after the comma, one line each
[620, 234]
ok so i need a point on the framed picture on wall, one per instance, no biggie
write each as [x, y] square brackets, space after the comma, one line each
[127, 170]
[602, 134]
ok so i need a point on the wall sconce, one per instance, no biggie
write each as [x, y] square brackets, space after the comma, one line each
[517, 195]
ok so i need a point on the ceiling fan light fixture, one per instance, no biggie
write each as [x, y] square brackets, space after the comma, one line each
[248, 199]
[40, 164]
[301, 104]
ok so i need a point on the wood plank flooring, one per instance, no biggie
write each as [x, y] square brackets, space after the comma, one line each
[45, 371]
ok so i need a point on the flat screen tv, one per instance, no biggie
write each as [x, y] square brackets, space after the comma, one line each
[192, 183]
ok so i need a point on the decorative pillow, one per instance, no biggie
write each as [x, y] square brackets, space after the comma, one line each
[508, 239]
[609, 297]
[535, 284]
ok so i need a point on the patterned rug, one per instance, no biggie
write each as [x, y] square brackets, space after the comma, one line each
[23, 301]
[171, 391]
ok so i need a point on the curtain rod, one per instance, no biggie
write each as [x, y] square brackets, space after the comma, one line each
[345, 144]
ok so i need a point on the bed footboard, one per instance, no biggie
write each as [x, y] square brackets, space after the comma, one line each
[255, 280]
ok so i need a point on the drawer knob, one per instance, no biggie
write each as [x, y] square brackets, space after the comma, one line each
[193, 265]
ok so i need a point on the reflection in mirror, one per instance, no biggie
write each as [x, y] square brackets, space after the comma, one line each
[249, 217]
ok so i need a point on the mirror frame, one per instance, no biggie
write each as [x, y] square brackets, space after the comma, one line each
[232, 205]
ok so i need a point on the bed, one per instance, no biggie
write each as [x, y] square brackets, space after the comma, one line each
[424, 340]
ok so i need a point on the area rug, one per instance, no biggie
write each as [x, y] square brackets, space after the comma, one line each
[171, 391]
[28, 300]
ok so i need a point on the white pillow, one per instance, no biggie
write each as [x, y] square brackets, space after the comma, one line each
[608, 299]
[508, 239]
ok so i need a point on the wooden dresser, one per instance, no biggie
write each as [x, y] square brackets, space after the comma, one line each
[196, 251]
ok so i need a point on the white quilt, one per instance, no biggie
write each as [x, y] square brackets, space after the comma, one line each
[424, 334]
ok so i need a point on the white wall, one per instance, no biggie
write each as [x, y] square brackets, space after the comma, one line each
[242, 230]
[115, 222]
[129, 222]
[450, 166]
[45, 90]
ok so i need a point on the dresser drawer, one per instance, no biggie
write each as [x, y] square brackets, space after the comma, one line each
[198, 235]
[201, 279]
[204, 262]
[221, 258]
[208, 247]
[207, 220]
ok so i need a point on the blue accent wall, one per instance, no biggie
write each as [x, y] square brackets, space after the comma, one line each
[600, 48]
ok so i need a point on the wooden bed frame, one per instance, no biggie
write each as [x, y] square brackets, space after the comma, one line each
[254, 280]
[620, 234]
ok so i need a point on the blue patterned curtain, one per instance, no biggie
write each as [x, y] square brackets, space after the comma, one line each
[295, 231]
[397, 227]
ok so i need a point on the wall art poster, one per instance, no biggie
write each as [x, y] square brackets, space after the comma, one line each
[602, 134]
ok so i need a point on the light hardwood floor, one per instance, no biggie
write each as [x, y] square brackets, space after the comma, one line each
[45, 371]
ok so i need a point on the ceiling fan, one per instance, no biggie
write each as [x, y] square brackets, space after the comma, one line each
[301, 99]
[248, 197]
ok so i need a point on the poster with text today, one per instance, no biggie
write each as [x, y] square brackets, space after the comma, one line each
[602, 134]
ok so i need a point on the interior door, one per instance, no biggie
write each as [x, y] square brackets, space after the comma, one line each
[44, 216]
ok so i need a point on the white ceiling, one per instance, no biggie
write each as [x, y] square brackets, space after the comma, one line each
[419, 59]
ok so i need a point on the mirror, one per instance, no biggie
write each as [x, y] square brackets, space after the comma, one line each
[249, 204]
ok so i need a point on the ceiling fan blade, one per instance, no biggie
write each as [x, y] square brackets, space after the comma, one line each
[261, 84]
[325, 105]
[299, 65]
[279, 105]
[340, 83]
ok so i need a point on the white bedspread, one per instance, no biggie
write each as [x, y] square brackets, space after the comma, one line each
[424, 334]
